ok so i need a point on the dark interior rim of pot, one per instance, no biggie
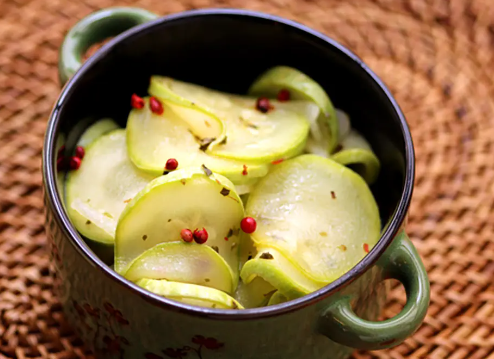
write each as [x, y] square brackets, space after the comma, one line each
[54, 201]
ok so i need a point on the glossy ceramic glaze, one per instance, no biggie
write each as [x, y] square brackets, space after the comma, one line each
[226, 50]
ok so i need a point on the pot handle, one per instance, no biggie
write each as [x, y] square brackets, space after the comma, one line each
[402, 262]
[95, 28]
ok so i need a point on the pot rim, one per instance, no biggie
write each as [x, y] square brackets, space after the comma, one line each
[52, 199]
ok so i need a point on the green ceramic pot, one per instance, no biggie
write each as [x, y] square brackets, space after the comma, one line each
[226, 49]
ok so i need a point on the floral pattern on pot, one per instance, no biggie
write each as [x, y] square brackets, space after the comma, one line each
[180, 353]
[101, 324]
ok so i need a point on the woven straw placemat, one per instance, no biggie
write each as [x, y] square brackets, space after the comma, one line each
[436, 56]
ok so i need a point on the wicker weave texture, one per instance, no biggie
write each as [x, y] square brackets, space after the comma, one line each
[436, 56]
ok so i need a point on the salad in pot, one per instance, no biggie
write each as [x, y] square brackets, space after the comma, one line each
[227, 201]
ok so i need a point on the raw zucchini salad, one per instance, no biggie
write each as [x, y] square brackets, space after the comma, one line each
[226, 201]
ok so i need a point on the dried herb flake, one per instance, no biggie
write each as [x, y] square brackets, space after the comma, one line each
[216, 249]
[225, 191]
[266, 255]
[206, 170]
[205, 142]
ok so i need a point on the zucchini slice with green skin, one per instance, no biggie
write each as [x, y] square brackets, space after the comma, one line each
[202, 123]
[357, 153]
[282, 274]
[90, 134]
[355, 140]
[320, 148]
[344, 124]
[152, 139]
[324, 221]
[261, 277]
[316, 148]
[247, 249]
[190, 294]
[277, 298]
[186, 198]
[250, 134]
[100, 189]
[96, 130]
[186, 263]
[256, 294]
[325, 130]
[244, 189]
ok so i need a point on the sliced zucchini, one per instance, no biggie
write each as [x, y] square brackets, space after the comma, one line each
[153, 139]
[355, 140]
[283, 275]
[96, 130]
[277, 298]
[256, 294]
[344, 124]
[357, 153]
[245, 198]
[186, 198]
[247, 249]
[323, 221]
[100, 189]
[364, 162]
[320, 148]
[183, 262]
[315, 148]
[190, 294]
[250, 134]
[261, 277]
[200, 122]
[325, 130]
[244, 189]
